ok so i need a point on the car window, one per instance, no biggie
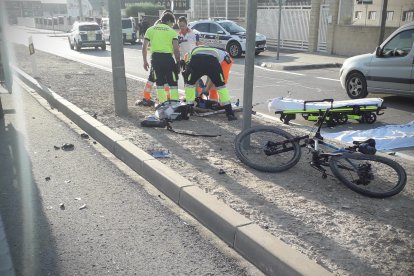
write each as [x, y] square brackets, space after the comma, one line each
[126, 24]
[86, 28]
[400, 45]
[232, 27]
[214, 28]
[202, 27]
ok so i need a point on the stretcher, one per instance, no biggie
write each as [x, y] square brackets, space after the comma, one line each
[361, 110]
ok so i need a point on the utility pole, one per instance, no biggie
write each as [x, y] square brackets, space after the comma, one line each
[383, 20]
[80, 10]
[249, 63]
[278, 29]
[117, 57]
[227, 9]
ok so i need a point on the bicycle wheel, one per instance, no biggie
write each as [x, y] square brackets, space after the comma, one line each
[369, 175]
[267, 149]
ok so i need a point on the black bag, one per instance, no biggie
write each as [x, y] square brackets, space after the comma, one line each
[154, 123]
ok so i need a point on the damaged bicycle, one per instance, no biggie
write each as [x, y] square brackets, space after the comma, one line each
[271, 149]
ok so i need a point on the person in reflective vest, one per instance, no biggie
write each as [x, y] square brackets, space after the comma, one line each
[164, 43]
[205, 61]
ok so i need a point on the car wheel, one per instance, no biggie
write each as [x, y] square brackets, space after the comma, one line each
[234, 49]
[70, 44]
[103, 47]
[77, 46]
[356, 86]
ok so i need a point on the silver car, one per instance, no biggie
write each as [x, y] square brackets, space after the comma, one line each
[388, 70]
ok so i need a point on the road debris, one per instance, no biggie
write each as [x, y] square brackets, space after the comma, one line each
[161, 154]
[68, 147]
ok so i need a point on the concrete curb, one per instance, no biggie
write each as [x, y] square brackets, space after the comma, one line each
[261, 248]
[294, 67]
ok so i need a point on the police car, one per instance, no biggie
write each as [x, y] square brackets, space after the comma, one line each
[226, 34]
[86, 34]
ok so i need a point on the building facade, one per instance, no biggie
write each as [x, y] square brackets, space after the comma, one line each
[368, 12]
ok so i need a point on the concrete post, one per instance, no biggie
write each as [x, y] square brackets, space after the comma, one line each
[333, 13]
[314, 25]
[249, 63]
[117, 57]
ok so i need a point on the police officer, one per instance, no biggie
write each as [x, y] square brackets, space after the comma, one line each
[164, 43]
[203, 61]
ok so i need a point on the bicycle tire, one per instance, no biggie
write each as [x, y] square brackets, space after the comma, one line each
[254, 154]
[388, 177]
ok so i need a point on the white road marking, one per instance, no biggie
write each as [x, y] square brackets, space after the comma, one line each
[327, 79]
[278, 71]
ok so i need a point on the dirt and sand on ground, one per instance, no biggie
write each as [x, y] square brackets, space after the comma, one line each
[345, 232]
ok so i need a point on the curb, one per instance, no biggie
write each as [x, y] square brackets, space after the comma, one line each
[262, 249]
[298, 66]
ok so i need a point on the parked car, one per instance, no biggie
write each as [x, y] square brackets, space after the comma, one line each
[227, 35]
[388, 70]
[128, 30]
[86, 34]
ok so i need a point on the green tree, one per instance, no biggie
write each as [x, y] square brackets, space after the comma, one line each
[147, 8]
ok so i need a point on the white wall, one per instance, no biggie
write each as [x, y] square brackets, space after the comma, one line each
[26, 21]
[355, 40]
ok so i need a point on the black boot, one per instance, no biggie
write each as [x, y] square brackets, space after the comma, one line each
[229, 112]
[184, 111]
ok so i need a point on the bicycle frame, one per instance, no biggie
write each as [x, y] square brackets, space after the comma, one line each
[318, 139]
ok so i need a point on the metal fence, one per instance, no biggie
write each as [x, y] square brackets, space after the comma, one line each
[230, 9]
[294, 27]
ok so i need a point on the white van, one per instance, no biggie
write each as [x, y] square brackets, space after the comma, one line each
[86, 34]
[389, 70]
[128, 30]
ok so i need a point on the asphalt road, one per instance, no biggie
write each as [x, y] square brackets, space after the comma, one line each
[83, 212]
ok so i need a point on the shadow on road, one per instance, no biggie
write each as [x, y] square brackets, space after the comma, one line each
[27, 230]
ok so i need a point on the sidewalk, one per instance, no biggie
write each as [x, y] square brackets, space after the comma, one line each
[289, 60]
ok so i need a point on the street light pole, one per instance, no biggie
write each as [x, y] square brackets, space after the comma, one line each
[383, 19]
[80, 10]
[278, 29]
